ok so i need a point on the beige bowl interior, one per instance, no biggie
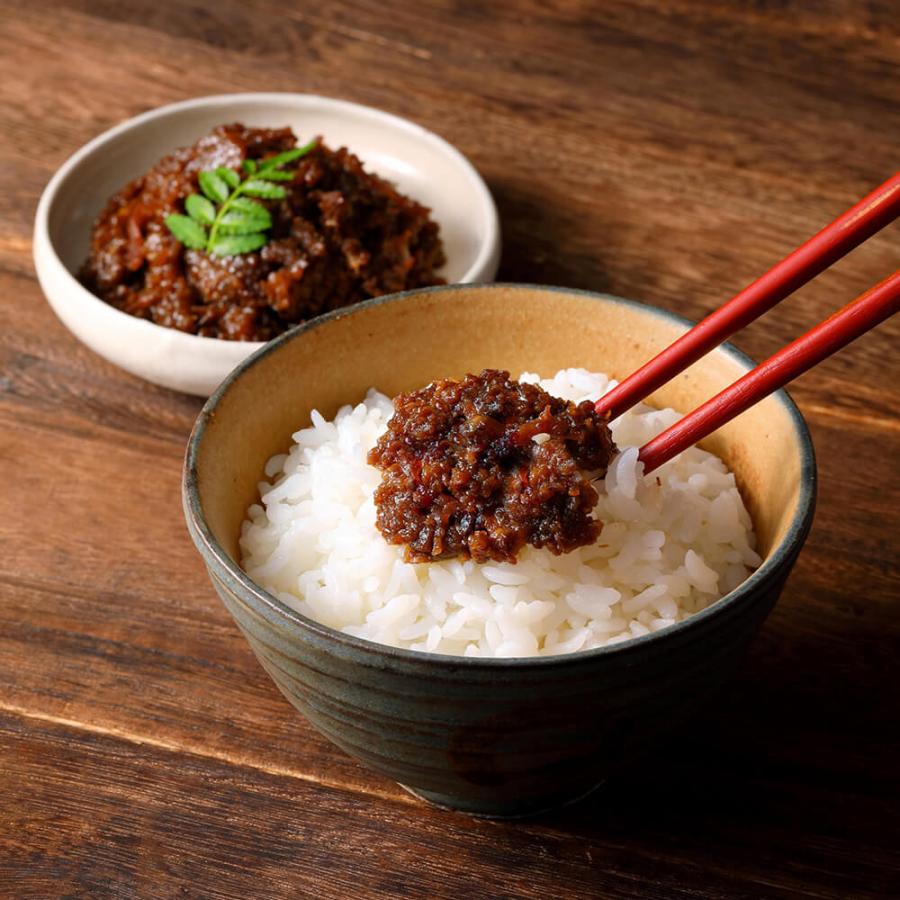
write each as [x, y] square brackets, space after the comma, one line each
[397, 345]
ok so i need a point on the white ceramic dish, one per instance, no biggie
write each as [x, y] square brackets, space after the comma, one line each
[420, 163]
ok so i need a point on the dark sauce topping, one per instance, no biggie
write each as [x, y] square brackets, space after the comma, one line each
[462, 475]
[340, 235]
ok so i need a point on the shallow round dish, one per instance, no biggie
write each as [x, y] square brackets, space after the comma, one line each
[421, 164]
[490, 736]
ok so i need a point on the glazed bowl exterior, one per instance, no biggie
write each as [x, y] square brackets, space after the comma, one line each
[421, 164]
[493, 737]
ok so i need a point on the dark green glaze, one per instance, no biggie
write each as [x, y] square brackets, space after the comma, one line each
[495, 737]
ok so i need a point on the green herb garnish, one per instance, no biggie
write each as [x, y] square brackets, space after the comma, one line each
[225, 220]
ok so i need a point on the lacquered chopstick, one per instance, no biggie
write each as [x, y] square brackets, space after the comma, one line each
[860, 222]
[855, 319]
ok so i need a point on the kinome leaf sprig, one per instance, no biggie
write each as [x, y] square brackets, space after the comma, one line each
[225, 221]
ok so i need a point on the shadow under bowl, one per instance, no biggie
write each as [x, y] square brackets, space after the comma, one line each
[496, 737]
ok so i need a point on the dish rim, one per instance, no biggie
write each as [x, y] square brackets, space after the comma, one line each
[237, 581]
[43, 244]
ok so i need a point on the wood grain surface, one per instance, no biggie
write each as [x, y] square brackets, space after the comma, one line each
[667, 151]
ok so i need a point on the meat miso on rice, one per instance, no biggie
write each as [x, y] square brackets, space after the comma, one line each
[669, 545]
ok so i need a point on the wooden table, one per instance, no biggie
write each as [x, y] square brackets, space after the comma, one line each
[667, 151]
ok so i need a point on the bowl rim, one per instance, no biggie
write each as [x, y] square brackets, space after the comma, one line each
[44, 247]
[234, 577]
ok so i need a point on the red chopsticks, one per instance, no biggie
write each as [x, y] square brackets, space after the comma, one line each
[849, 230]
[860, 222]
[855, 319]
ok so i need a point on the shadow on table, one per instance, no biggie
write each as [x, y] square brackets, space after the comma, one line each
[546, 243]
[800, 753]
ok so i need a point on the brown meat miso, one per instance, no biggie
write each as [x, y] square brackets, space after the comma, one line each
[463, 476]
[341, 235]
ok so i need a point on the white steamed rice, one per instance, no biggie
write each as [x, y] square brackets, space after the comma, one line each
[672, 543]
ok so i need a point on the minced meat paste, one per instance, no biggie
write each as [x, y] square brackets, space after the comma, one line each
[463, 474]
[340, 235]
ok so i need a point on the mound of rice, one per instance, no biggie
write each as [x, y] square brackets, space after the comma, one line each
[672, 543]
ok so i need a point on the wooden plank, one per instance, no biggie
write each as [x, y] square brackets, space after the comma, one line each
[90, 815]
[715, 223]
[690, 225]
[48, 375]
[171, 671]
[618, 147]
